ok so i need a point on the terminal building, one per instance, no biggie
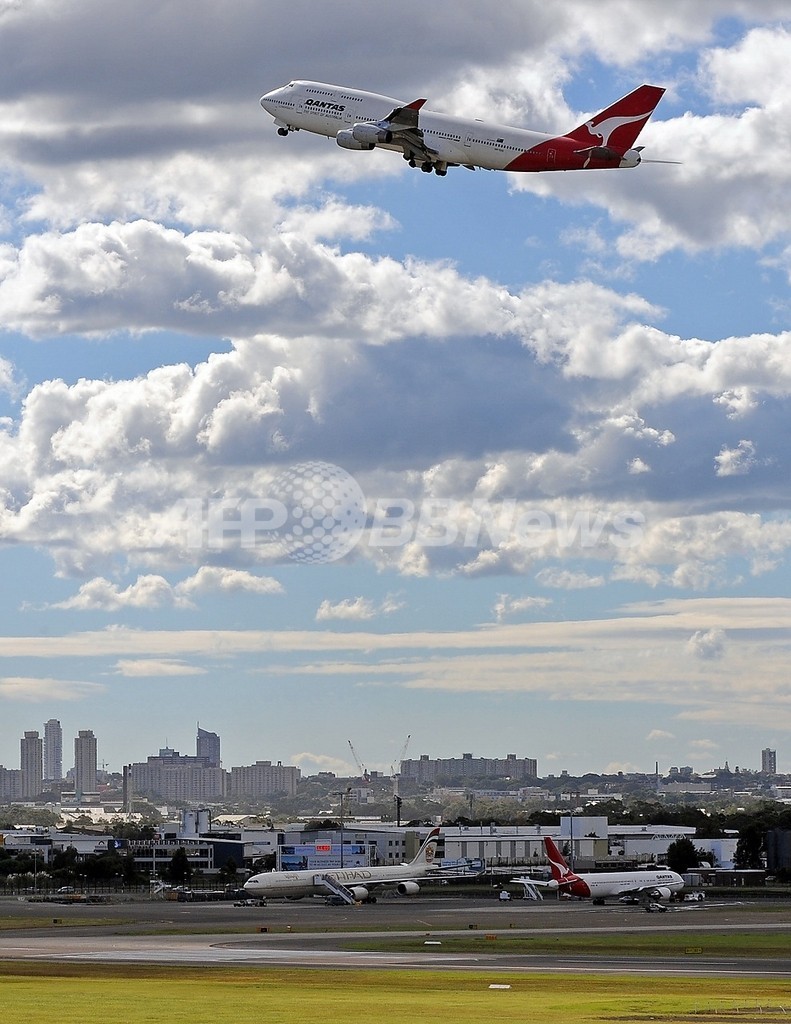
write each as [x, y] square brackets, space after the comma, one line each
[589, 843]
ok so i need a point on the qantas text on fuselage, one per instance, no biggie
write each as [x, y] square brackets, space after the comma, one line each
[433, 141]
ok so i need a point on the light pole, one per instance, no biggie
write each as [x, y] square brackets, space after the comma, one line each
[341, 794]
[571, 838]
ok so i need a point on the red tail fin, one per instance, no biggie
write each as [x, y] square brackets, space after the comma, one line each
[560, 869]
[618, 126]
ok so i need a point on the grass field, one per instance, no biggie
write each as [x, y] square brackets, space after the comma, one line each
[675, 943]
[76, 994]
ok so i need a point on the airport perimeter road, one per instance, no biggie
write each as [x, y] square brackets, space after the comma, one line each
[310, 934]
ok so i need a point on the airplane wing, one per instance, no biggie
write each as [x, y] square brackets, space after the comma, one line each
[436, 875]
[403, 122]
[407, 116]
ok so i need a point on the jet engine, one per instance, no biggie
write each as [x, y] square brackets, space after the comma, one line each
[631, 158]
[408, 888]
[346, 140]
[359, 892]
[661, 893]
[371, 133]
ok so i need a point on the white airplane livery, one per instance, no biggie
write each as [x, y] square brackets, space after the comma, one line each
[651, 886]
[434, 142]
[349, 885]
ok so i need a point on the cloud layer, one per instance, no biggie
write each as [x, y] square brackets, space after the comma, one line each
[544, 424]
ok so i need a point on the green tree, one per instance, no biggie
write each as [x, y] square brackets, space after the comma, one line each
[103, 867]
[750, 847]
[266, 863]
[228, 870]
[682, 855]
[64, 865]
[129, 870]
[180, 869]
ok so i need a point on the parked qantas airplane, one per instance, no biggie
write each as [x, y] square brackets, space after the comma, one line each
[349, 885]
[433, 141]
[650, 886]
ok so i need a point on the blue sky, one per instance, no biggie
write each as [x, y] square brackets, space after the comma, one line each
[192, 306]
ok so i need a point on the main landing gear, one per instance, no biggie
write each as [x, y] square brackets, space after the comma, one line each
[428, 166]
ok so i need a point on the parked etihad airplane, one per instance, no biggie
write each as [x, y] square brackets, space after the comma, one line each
[433, 141]
[648, 886]
[350, 885]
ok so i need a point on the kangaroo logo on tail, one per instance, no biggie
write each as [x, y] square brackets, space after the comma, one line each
[560, 869]
[605, 128]
[633, 109]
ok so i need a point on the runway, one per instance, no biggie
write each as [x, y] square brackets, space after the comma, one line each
[210, 950]
[314, 936]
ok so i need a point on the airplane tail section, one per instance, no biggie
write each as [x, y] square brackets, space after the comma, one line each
[428, 851]
[561, 872]
[616, 128]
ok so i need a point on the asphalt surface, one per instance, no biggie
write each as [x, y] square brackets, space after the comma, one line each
[308, 933]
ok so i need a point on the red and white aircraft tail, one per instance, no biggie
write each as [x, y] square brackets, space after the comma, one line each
[561, 872]
[562, 875]
[616, 128]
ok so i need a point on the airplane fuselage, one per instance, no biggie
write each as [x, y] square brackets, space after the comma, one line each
[272, 884]
[610, 883]
[334, 111]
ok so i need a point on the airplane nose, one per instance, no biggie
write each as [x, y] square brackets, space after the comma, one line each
[268, 97]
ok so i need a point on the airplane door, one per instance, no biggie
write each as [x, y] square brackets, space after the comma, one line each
[551, 154]
[468, 140]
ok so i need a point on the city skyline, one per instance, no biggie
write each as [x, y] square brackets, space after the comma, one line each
[207, 745]
[313, 447]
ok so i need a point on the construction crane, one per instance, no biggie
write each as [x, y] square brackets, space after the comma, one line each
[396, 775]
[364, 775]
[395, 772]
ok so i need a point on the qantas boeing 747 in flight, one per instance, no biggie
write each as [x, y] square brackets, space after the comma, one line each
[434, 142]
